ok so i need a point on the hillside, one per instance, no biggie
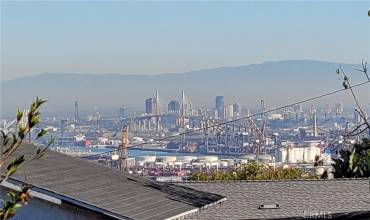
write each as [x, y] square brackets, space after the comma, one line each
[275, 82]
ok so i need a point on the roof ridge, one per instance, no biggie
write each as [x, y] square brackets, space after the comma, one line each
[277, 180]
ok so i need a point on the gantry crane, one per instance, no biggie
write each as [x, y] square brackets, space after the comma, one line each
[261, 134]
[123, 151]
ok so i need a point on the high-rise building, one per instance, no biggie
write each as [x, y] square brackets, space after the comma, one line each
[76, 112]
[123, 112]
[220, 106]
[298, 109]
[229, 112]
[247, 112]
[237, 109]
[174, 106]
[212, 113]
[152, 105]
[312, 111]
[339, 109]
[149, 105]
[185, 105]
[157, 109]
[327, 110]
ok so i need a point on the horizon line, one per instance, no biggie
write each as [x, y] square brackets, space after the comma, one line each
[179, 73]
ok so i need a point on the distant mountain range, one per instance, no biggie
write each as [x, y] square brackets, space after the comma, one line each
[276, 82]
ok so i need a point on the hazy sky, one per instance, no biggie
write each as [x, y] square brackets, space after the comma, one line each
[165, 37]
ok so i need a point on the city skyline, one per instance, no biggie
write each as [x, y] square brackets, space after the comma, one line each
[277, 83]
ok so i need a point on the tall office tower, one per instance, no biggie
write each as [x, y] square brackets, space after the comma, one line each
[312, 111]
[298, 108]
[185, 105]
[157, 111]
[248, 112]
[237, 109]
[76, 112]
[182, 107]
[327, 110]
[156, 104]
[220, 105]
[180, 121]
[123, 112]
[229, 112]
[339, 109]
[149, 105]
[173, 106]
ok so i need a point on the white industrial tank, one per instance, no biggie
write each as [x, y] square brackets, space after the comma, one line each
[249, 157]
[208, 158]
[266, 157]
[146, 159]
[186, 159]
[282, 155]
[168, 159]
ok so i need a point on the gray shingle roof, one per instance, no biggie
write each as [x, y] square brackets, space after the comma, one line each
[298, 198]
[110, 191]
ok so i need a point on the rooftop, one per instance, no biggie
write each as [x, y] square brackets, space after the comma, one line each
[122, 196]
[341, 198]
[108, 191]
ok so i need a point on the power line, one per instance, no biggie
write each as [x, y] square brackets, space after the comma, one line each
[245, 117]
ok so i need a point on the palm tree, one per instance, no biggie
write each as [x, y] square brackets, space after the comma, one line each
[353, 163]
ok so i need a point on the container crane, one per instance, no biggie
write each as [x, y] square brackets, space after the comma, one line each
[123, 152]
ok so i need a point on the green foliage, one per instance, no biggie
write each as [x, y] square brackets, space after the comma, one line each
[223, 176]
[19, 115]
[12, 202]
[22, 131]
[13, 166]
[40, 152]
[354, 163]
[199, 176]
[291, 173]
[253, 171]
[10, 142]
[42, 133]
[249, 171]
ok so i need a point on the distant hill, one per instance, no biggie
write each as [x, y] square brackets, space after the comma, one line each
[276, 82]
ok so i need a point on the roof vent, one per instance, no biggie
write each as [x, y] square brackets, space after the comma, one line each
[275, 206]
